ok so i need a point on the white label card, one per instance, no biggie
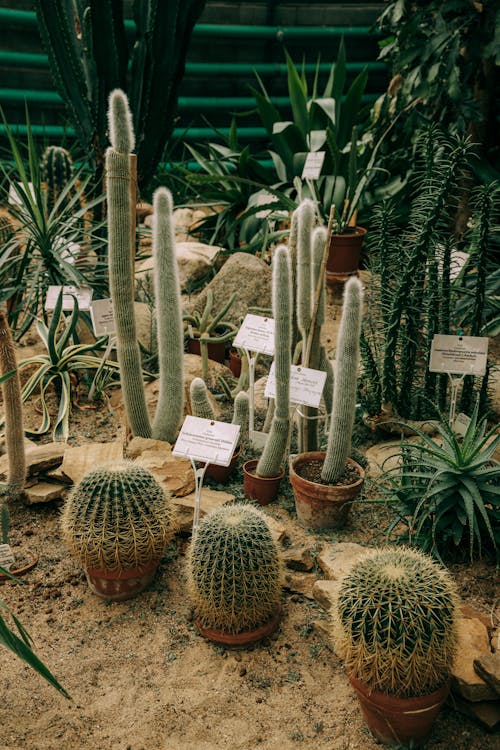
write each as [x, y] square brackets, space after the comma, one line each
[83, 296]
[103, 317]
[461, 424]
[256, 334]
[16, 189]
[306, 385]
[313, 165]
[207, 440]
[6, 556]
[459, 355]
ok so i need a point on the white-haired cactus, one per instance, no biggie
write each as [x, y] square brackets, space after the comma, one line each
[306, 215]
[56, 170]
[170, 409]
[234, 570]
[120, 176]
[14, 431]
[344, 389]
[200, 401]
[241, 415]
[272, 456]
[118, 517]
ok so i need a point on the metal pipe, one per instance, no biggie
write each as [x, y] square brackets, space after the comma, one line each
[190, 134]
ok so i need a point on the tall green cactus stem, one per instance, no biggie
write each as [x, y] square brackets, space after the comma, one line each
[396, 622]
[234, 570]
[118, 517]
[241, 415]
[346, 378]
[200, 402]
[170, 409]
[14, 431]
[304, 240]
[56, 170]
[272, 456]
[119, 176]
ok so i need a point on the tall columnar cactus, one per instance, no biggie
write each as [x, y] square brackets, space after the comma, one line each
[234, 570]
[170, 409]
[241, 415]
[118, 517]
[200, 402]
[346, 378]
[304, 242]
[56, 170]
[14, 431]
[396, 622]
[275, 448]
[120, 174]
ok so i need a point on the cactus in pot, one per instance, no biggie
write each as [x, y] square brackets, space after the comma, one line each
[117, 522]
[395, 626]
[235, 575]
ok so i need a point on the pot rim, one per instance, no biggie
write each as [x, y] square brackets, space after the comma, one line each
[301, 458]
[252, 463]
[245, 637]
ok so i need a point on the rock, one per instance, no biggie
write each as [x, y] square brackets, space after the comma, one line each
[175, 474]
[278, 530]
[300, 583]
[473, 643]
[194, 261]
[487, 667]
[44, 492]
[142, 210]
[78, 461]
[260, 401]
[298, 558]
[323, 628]
[486, 713]
[325, 593]
[335, 560]
[139, 445]
[145, 325]
[466, 610]
[244, 274]
[39, 459]
[210, 500]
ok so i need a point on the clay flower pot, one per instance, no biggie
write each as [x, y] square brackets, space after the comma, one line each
[221, 474]
[398, 721]
[344, 254]
[216, 351]
[118, 585]
[234, 362]
[261, 489]
[22, 569]
[245, 638]
[322, 506]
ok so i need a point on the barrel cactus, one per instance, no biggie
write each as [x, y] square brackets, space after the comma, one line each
[234, 568]
[118, 517]
[395, 622]
[56, 170]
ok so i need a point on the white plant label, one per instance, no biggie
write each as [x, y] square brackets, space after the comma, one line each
[16, 189]
[461, 423]
[459, 355]
[103, 317]
[306, 385]
[207, 440]
[256, 334]
[6, 556]
[83, 296]
[313, 165]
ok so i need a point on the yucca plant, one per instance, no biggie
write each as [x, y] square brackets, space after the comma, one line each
[447, 490]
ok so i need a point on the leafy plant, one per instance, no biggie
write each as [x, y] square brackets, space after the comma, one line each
[447, 490]
[209, 327]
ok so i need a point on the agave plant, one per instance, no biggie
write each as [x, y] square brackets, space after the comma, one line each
[447, 489]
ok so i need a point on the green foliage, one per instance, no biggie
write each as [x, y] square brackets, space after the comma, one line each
[209, 327]
[118, 517]
[396, 616]
[234, 570]
[447, 491]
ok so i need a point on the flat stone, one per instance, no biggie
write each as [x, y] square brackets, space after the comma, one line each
[487, 667]
[39, 459]
[300, 583]
[44, 492]
[175, 474]
[486, 713]
[473, 643]
[210, 500]
[335, 560]
[468, 611]
[323, 628]
[139, 445]
[83, 458]
[278, 530]
[142, 210]
[326, 592]
[298, 558]
[194, 261]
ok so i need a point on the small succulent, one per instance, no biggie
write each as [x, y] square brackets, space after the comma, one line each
[234, 570]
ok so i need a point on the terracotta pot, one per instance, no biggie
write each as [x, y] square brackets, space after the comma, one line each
[216, 352]
[221, 474]
[22, 570]
[344, 253]
[234, 362]
[261, 489]
[322, 506]
[398, 721]
[119, 585]
[241, 639]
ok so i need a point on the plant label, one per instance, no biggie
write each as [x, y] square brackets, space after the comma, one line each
[256, 334]
[313, 165]
[306, 385]
[6, 556]
[264, 199]
[461, 424]
[16, 190]
[83, 296]
[207, 440]
[103, 317]
[459, 355]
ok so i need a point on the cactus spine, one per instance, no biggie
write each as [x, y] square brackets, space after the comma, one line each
[118, 517]
[276, 445]
[396, 622]
[170, 407]
[14, 431]
[234, 570]
[344, 390]
[200, 402]
[56, 171]
[241, 415]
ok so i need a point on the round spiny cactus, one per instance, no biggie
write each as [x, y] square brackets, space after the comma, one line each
[118, 517]
[395, 622]
[234, 570]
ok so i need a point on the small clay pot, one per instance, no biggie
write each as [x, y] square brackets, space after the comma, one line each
[344, 253]
[234, 362]
[399, 721]
[221, 474]
[216, 351]
[261, 489]
[245, 638]
[20, 571]
[118, 585]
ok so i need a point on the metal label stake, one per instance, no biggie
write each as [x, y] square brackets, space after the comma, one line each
[199, 474]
